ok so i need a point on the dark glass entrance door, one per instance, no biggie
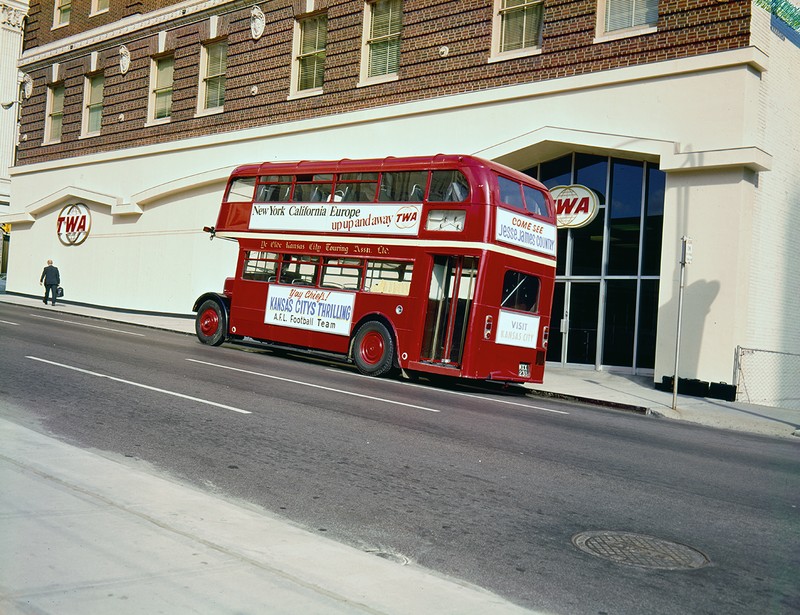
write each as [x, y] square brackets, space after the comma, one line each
[573, 337]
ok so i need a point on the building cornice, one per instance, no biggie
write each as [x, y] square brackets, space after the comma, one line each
[122, 29]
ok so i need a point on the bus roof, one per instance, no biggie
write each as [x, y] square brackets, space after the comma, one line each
[390, 163]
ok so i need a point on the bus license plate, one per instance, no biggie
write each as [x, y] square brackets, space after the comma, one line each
[525, 370]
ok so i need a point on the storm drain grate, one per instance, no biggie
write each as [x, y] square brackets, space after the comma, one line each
[640, 550]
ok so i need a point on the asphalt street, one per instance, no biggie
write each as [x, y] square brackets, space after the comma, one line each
[485, 485]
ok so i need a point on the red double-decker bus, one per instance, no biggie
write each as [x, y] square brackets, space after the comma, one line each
[441, 264]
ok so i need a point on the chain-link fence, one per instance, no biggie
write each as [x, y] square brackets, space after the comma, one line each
[768, 378]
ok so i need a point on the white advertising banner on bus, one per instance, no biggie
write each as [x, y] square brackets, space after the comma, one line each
[515, 329]
[345, 218]
[524, 232]
[312, 309]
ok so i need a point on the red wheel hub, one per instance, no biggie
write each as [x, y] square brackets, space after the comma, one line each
[372, 348]
[209, 322]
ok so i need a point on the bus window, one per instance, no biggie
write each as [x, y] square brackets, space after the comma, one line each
[403, 186]
[299, 270]
[520, 292]
[342, 273]
[274, 188]
[356, 187]
[510, 192]
[241, 189]
[313, 188]
[260, 266]
[389, 277]
[448, 187]
[534, 201]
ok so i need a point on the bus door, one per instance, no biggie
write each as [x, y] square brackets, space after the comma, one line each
[450, 296]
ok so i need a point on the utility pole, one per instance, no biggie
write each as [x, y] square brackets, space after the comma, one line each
[686, 258]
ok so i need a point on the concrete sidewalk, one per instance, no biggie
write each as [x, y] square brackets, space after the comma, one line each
[624, 392]
[84, 534]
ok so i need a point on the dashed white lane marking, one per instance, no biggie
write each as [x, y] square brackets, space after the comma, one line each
[315, 386]
[140, 385]
[83, 324]
[481, 397]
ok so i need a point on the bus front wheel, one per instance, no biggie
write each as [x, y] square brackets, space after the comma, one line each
[373, 349]
[210, 324]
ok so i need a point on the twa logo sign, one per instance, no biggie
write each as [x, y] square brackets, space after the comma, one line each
[576, 205]
[74, 223]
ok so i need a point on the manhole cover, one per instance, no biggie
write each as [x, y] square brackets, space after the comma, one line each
[639, 550]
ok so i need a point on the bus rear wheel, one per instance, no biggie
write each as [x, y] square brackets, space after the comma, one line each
[373, 349]
[210, 324]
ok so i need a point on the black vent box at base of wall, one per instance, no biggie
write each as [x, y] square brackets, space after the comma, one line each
[699, 388]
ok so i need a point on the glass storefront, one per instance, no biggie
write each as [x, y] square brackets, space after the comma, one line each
[606, 299]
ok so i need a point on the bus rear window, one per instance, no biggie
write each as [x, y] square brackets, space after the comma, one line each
[520, 292]
[241, 189]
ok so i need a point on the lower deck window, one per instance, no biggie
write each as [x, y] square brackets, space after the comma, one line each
[388, 277]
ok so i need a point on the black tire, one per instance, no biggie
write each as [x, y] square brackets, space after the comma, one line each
[373, 349]
[211, 324]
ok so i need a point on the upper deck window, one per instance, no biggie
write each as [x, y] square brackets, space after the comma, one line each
[356, 187]
[448, 187]
[403, 186]
[313, 188]
[241, 189]
[521, 197]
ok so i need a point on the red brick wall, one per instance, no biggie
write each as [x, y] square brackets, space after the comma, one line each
[685, 28]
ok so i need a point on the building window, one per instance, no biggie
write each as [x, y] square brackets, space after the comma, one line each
[382, 26]
[99, 6]
[161, 75]
[312, 34]
[93, 105]
[608, 275]
[55, 113]
[621, 18]
[214, 63]
[517, 28]
[63, 9]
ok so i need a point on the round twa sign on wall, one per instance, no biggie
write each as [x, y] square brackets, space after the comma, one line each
[576, 205]
[74, 223]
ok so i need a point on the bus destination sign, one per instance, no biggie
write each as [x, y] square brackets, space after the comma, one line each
[524, 232]
[312, 309]
[338, 218]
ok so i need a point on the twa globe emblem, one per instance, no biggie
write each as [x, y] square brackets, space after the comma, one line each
[73, 225]
[576, 205]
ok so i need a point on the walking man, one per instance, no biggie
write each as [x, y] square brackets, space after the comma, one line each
[51, 279]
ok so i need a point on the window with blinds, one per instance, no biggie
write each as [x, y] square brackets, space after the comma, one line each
[161, 97]
[63, 10]
[624, 14]
[521, 24]
[55, 115]
[99, 6]
[311, 56]
[213, 76]
[93, 108]
[384, 38]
